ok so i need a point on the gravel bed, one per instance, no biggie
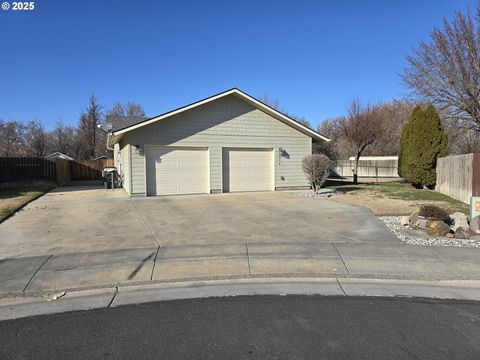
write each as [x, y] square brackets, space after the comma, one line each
[393, 224]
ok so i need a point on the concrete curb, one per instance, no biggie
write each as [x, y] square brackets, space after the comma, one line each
[107, 297]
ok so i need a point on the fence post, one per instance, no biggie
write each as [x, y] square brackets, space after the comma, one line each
[476, 174]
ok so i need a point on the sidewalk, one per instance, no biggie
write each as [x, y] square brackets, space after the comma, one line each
[245, 260]
[332, 268]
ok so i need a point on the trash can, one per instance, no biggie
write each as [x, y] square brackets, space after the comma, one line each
[110, 178]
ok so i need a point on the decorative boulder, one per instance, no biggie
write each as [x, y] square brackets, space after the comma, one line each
[418, 222]
[459, 234]
[475, 224]
[413, 221]
[437, 228]
[404, 220]
[459, 221]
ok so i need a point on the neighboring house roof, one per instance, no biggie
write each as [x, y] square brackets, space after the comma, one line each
[58, 154]
[101, 157]
[120, 122]
[135, 123]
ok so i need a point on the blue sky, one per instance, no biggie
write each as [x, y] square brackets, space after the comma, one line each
[314, 57]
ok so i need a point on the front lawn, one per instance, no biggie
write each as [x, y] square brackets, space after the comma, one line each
[393, 198]
[12, 200]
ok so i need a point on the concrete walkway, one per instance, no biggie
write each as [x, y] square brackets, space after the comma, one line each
[49, 273]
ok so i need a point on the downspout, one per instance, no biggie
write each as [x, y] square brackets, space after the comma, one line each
[108, 136]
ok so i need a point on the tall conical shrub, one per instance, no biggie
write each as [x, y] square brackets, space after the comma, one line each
[423, 141]
[404, 140]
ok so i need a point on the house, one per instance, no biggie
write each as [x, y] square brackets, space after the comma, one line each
[225, 143]
[58, 154]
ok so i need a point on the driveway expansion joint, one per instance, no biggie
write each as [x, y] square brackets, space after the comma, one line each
[248, 259]
[35, 273]
[154, 262]
[341, 287]
[113, 297]
[341, 258]
[144, 221]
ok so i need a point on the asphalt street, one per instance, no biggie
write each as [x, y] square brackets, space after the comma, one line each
[256, 327]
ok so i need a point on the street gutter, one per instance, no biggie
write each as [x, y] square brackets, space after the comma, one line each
[12, 307]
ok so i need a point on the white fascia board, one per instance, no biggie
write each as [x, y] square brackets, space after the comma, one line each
[269, 110]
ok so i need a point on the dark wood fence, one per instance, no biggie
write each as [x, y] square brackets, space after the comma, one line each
[86, 170]
[24, 171]
[63, 171]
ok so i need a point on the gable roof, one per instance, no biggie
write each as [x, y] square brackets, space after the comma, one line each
[117, 122]
[101, 157]
[58, 154]
[135, 123]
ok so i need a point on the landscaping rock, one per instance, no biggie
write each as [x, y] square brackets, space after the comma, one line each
[422, 223]
[404, 220]
[418, 237]
[459, 221]
[417, 221]
[475, 224]
[414, 219]
[459, 234]
[437, 228]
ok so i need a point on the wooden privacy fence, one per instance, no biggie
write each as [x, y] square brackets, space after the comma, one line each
[16, 171]
[25, 171]
[63, 171]
[89, 169]
[367, 169]
[458, 176]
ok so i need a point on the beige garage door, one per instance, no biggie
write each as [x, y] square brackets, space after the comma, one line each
[176, 170]
[247, 169]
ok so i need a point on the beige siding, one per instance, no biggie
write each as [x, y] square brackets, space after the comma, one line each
[227, 122]
[117, 156]
[125, 166]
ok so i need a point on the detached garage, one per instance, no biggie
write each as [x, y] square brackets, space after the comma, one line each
[226, 143]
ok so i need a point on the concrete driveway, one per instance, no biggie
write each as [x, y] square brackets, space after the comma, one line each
[257, 217]
[81, 237]
[78, 219]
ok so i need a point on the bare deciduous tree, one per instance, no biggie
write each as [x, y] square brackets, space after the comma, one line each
[446, 70]
[393, 115]
[317, 168]
[361, 128]
[128, 109]
[275, 103]
[331, 129]
[63, 138]
[89, 134]
[462, 141]
[35, 139]
[12, 138]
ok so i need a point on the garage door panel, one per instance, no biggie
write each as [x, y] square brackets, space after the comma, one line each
[247, 169]
[177, 170]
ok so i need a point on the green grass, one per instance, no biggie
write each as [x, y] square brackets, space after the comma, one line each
[12, 200]
[401, 191]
